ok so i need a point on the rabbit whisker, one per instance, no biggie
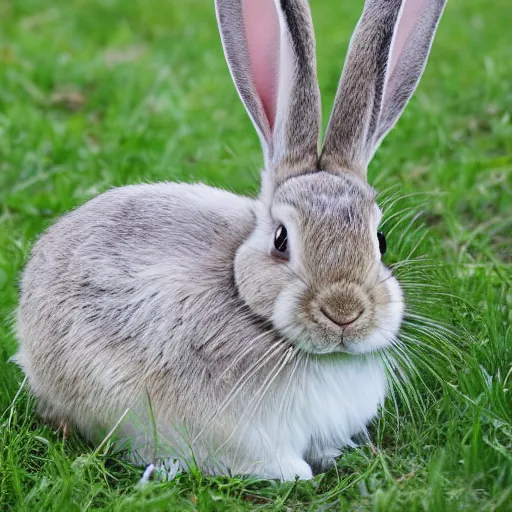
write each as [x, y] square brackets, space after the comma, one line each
[391, 378]
[259, 395]
[244, 352]
[275, 349]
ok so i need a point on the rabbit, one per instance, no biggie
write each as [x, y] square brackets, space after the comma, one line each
[238, 335]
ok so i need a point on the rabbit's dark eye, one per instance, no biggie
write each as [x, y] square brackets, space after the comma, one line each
[280, 249]
[382, 242]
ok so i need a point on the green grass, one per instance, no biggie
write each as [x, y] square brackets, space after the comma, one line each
[100, 93]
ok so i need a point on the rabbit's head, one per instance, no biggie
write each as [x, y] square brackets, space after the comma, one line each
[312, 265]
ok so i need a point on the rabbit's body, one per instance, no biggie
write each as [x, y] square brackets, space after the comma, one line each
[242, 335]
[117, 298]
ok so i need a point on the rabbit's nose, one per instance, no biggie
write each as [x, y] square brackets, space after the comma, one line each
[342, 310]
[341, 319]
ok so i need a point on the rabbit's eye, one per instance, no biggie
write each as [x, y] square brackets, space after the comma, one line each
[280, 249]
[382, 242]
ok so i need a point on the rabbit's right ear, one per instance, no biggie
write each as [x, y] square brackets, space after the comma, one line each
[270, 50]
[386, 58]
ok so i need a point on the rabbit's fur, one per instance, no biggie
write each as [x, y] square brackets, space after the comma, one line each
[170, 300]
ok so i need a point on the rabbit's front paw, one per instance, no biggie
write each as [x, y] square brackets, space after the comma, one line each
[163, 470]
[290, 469]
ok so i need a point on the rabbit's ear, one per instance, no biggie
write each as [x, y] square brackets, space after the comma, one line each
[386, 58]
[270, 50]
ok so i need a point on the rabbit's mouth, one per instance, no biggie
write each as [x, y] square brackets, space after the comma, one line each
[345, 317]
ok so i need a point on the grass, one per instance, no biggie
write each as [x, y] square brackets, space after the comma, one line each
[100, 93]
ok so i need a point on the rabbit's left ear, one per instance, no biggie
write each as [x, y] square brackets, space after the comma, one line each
[386, 58]
[270, 50]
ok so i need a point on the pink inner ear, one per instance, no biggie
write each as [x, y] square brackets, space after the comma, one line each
[410, 15]
[262, 32]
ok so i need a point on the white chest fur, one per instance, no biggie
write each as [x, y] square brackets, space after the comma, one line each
[318, 412]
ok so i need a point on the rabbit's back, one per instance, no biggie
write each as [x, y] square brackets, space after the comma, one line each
[111, 287]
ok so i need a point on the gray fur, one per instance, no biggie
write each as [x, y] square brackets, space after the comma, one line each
[291, 147]
[132, 300]
[369, 100]
[402, 83]
[166, 300]
[108, 288]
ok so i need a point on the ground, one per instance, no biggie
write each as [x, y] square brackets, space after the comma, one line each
[100, 93]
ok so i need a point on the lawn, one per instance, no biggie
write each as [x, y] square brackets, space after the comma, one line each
[101, 93]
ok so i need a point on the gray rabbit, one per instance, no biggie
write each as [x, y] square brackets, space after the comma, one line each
[241, 335]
